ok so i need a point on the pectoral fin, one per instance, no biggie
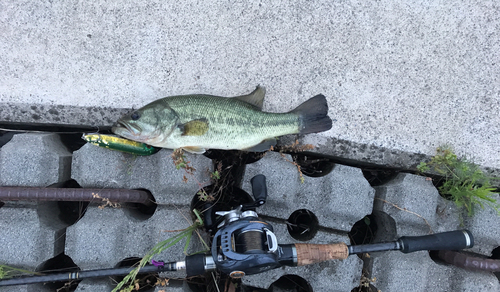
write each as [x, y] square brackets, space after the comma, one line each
[194, 149]
[262, 146]
[196, 127]
[255, 98]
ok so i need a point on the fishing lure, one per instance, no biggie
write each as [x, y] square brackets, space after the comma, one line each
[120, 144]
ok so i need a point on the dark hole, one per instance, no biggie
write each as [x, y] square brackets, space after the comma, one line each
[363, 288]
[313, 166]
[142, 211]
[59, 264]
[495, 254]
[291, 283]
[71, 212]
[214, 198]
[302, 225]
[377, 177]
[205, 284]
[363, 231]
[1, 204]
[71, 184]
[72, 141]
[235, 156]
[6, 136]
[146, 282]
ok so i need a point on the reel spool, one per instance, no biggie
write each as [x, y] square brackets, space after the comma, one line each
[244, 244]
[250, 241]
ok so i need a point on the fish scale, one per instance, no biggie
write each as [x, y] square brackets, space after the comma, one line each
[230, 120]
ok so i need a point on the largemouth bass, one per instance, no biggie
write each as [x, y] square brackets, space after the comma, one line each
[198, 122]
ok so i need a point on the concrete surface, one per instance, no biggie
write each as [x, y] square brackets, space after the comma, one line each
[339, 199]
[37, 170]
[98, 167]
[412, 206]
[398, 76]
[101, 238]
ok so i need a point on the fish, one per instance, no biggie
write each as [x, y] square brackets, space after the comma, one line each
[198, 122]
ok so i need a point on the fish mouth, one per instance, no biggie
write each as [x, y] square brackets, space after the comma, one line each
[126, 129]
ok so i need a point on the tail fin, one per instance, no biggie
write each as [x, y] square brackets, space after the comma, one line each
[313, 114]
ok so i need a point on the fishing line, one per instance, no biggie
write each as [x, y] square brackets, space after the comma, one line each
[100, 131]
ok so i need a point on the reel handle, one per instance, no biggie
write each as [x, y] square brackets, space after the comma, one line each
[451, 240]
[308, 253]
[259, 189]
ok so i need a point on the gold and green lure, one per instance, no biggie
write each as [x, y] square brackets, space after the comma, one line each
[120, 144]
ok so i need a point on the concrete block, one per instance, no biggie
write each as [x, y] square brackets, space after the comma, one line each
[99, 167]
[28, 238]
[333, 275]
[20, 288]
[396, 271]
[35, 160]
[417, 200]
[338, 199]
[442, 277]
[469, 281]
[484, 225]
[174, 286]
[448, 216]
[104, 237]
[95, 285]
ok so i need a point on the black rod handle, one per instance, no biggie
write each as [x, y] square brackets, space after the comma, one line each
[452, 240]
[79, 275]
[259, 189]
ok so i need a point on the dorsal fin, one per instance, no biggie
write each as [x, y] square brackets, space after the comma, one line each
[255, 98]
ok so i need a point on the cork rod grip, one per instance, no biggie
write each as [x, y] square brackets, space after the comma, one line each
[308, 253]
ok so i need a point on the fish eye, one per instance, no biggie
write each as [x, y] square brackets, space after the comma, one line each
[135, 116]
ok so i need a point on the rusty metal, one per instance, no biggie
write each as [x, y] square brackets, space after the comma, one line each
[74, 194]
[468, 261]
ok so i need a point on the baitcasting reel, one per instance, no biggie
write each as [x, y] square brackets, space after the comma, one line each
[243, 244]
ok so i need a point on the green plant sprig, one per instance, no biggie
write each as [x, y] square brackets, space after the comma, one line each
[464, 182]
[157, 249]
[7, 272]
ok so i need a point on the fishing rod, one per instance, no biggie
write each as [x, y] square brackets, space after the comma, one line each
[245, 245]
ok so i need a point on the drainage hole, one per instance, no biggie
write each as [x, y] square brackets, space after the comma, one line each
[495, 254]
[363, 231]
[72, 141]
[365, 287]
[291, 283]
[302, 225]
[313, 166]
[378, 177]
[213, 198]
[6, 136]
[241, 157]
[142, 211]
[145, 282]
[58, 264]
[71, 211]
